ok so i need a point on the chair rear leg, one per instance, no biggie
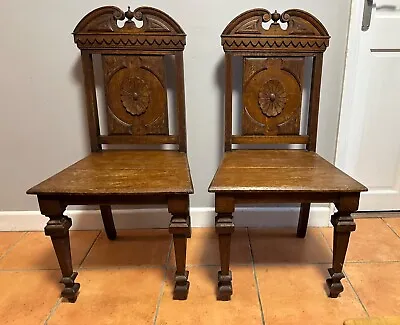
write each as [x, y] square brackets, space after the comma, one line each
[108, 221]
[303, 220]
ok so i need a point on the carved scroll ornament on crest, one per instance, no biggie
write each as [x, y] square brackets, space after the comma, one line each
[99, 30]
[303, 32]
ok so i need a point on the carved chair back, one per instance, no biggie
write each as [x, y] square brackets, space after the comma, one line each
[273, 75]
[134, 68]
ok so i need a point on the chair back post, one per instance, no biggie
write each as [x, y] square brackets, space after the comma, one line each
[273, 69]
[134, 75]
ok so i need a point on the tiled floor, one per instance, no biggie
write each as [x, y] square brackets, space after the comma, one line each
[278, 278]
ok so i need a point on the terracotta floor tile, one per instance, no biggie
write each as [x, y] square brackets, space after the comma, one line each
[203, 248]
[297, 294]
[373, 240]
[132, 247]
[27, 297]
[201, 307]
[8, 239]
[377, 285]
[35, 251]
[119, 296]
[394, 223]
[282, 246]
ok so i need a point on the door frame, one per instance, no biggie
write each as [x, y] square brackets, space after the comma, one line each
[349, 112]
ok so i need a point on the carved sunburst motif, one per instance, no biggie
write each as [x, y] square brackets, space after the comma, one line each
[135, 95]
[272, 98]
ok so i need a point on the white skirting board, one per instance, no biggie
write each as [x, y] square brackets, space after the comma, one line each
[159, 218]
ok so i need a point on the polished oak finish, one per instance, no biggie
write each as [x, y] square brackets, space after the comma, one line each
[134, 73]
[273, 62]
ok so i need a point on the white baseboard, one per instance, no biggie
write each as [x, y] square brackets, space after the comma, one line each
[159, 218]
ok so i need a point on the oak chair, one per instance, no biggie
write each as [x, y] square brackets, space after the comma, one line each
[273, 61]
[134, 67]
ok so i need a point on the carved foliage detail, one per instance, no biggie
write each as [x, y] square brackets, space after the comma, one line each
[135, 95]
[272, 98]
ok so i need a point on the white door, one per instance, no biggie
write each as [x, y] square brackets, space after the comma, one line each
[369, 132]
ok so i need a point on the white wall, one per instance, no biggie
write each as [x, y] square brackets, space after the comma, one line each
[42, 125]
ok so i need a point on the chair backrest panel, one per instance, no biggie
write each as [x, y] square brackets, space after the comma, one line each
[136, 95]
[272, 91]
[273, 75]
[134, 70]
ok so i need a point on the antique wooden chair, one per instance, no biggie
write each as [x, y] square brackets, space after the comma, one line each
[273, 67]
[133, 61]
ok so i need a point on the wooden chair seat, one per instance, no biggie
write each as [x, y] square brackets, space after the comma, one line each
[280, 171]
[122, 172]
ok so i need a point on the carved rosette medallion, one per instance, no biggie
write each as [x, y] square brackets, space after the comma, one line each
[272, 98]
[135, 95]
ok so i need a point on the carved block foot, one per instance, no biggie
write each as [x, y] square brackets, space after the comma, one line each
[224, 286]
[335, 287]
[181, 286]
[71, 289]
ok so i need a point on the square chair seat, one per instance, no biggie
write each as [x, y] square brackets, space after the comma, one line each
[122, 172]
[280, 171]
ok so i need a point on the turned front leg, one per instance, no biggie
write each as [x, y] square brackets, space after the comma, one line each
[58, 229]
[181, 230]
[343, 225]
[224, 227]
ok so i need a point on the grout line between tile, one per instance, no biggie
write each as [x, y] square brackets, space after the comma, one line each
[372, 262]
[52, 311]
[163, 283]
[355, 292]
[390, 227]
[255, 279]
[326, 240]
[122, 267]
[13, 245]
[90, 248]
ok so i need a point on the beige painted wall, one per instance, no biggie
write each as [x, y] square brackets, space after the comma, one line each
[42, 124]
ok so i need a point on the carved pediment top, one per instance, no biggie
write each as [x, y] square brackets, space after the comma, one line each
[104, 20]
[300, 23]
[294, 29]
[99, 30]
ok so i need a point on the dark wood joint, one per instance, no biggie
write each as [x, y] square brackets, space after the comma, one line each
[343, 223]
[180, 225]
[51, 207]
[178, 204]
[224, 223]
[224, 203]
[58, 226]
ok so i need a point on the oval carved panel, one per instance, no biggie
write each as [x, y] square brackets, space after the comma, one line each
[136, 95]
[271, 96]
